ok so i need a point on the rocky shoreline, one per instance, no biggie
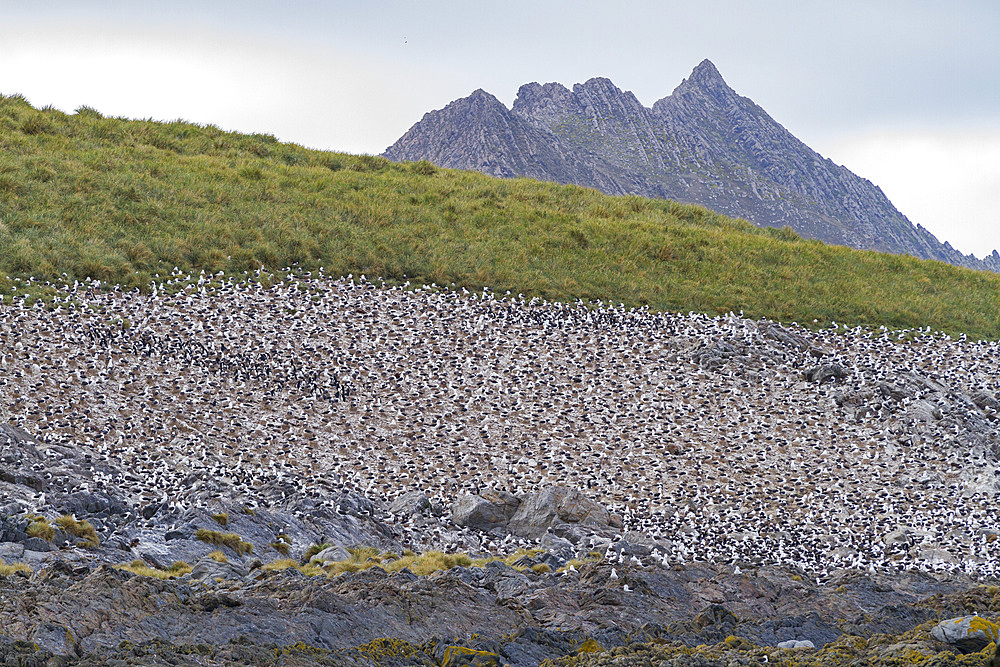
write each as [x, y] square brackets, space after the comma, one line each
[337, 472]
[583, 594]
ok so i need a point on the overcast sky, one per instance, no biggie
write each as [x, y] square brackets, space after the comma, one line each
[903, 92]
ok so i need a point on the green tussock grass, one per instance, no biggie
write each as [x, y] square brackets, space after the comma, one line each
[363, 558]
[123, 200]
[281, 545]
[221, 518]
[139, 567]
[231, 540]
[81, 529]
[40, 527]
[7, 570]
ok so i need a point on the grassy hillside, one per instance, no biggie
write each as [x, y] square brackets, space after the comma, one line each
[122, 200]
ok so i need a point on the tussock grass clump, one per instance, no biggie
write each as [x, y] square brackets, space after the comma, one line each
[231, 540]
[141, 568]
[282, 545]
[40, 527]
[424, 564]
[577, 563]
[122, 200]
[218, 557]
[510, 560]
[222, 518]
[363, 558]
[81, 529]
[7, 570]
[307, 569]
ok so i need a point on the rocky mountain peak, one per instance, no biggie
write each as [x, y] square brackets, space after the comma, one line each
[705, 84]
[703, 144]
[534, 98]
[706, 75]
[601, 93]
[482, 100]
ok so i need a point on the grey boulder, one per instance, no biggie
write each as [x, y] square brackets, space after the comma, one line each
[331, 554]
[554, 506]
[826, 373]
[410, 503]
[968, 634]
[474, 511]
[560, 547]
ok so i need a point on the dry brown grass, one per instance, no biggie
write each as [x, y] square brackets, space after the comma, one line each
[141, 568]
[231, 540]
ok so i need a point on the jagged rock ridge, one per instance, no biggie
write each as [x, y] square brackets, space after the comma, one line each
[703, 144]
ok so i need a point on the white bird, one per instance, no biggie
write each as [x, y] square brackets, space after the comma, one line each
[614, 574]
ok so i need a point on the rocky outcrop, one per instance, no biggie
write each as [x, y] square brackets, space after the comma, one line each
[474, 511]
[703, 144]
[553, 507]
[968, 634]
[234, 615]
[585, 589]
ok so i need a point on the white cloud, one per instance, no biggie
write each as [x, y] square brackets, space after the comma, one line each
[356, 85]
[946, 180]
[321, 97]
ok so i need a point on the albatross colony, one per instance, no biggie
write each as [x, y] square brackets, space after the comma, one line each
[723, 438]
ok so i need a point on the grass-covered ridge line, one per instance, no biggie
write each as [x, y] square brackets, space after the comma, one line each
[121, 200]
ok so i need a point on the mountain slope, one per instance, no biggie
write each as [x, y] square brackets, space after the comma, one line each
[703, 144]
[128, 201]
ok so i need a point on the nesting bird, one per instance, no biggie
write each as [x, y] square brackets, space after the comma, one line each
[701, 432]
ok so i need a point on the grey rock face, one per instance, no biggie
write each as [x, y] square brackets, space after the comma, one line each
[473, 511]
[410, 503]
[554, 506]
[209, 569]
[10, 551]
[703, 144]
[826, 373]
[36, 544]
[558, 546]
[53, 638]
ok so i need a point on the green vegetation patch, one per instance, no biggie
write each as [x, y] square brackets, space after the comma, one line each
[429, 562]
[123, 200]
[81, 529]
[7, 570]
[231, 540]
[141, 568]
[282, 544]
[40, 527]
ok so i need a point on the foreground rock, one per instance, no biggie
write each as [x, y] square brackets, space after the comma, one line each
[223, 593]
[494, 614]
